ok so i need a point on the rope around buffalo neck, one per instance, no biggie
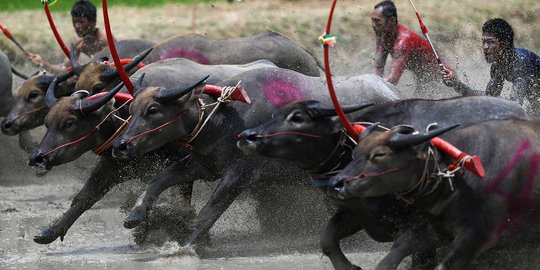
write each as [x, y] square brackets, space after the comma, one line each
[104, 146]
[225, 97]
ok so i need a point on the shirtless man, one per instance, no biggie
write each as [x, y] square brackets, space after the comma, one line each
[408, 50]
[89, 40]
[519, 66]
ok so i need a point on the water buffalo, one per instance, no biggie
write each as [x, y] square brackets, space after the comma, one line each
[29, 109]
[270, 46]
[317, 144]
[126, 48]
[66, 125]
[6, 80]
[176, 115]
[469, 213]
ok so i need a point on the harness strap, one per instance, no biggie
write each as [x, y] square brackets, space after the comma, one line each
[87, 134]
[100, 149]
[225, 97]
[29, 112]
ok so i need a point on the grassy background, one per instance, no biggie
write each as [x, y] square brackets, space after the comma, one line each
[455, 27]
[65, 5]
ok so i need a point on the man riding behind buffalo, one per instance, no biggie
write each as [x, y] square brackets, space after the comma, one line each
[408, 50]
[519, 66]
[89, 40]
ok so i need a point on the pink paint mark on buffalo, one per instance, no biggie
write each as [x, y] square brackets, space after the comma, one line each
[517, 203]
[179, 52]
[280, 92]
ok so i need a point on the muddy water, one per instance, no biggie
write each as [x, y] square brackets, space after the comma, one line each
[28, 202]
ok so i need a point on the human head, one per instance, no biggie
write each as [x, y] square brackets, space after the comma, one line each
[384, 18]
[83, 16]
[497, 39]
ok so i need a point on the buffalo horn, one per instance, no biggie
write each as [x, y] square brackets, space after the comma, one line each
[75, 65]
[401, 140]
[88, 106]
[111, 74]
[319, 112]
[50, 95]
[46, 80]
[138, 85]
[369, 129]
[165, 95]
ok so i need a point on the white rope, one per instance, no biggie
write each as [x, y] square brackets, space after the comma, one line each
[225, 97]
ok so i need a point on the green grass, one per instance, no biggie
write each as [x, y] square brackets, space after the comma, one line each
[65, 5]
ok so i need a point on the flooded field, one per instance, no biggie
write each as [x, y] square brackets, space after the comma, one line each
[98, 239]
[30, 200]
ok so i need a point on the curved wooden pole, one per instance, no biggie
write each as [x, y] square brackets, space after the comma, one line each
[112, 48]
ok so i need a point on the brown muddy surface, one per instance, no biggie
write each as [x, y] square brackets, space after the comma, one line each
[29, 202]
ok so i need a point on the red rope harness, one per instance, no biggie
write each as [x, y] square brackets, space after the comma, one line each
[96, 128]
[180, 115]
[367, 175]
[285, 133]
[72, 142]
[29, 112]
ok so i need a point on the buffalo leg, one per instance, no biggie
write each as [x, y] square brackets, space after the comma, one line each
[242, 174]
[341, 225]
[183, 173]
[466, 246]
[421, 241]
[99, 183]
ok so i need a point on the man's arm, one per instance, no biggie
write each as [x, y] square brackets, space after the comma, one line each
[380, 58]
[495, 85]
[451, 79]
[398, 66]
[38, 60]
[519, 89]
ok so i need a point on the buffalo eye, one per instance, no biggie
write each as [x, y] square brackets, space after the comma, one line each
[98, 87]
[152, 110]
[67, 124]
[296, 118]
[32, 96]
[378, 155]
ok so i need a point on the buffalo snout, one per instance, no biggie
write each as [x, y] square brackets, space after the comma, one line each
[120, 149]
[248, 142]
[37, 159]
[248, 135]
[9, 127]
[339, 184]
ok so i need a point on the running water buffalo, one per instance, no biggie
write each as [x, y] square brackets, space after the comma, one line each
[6, 80]
[469, 213]
[125, 48]
[30, 109]
[71, 133]
[269, 46]
[177, 116]
[317, 144]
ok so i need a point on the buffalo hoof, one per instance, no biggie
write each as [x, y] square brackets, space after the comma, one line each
[136, 216]
[47, 236]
